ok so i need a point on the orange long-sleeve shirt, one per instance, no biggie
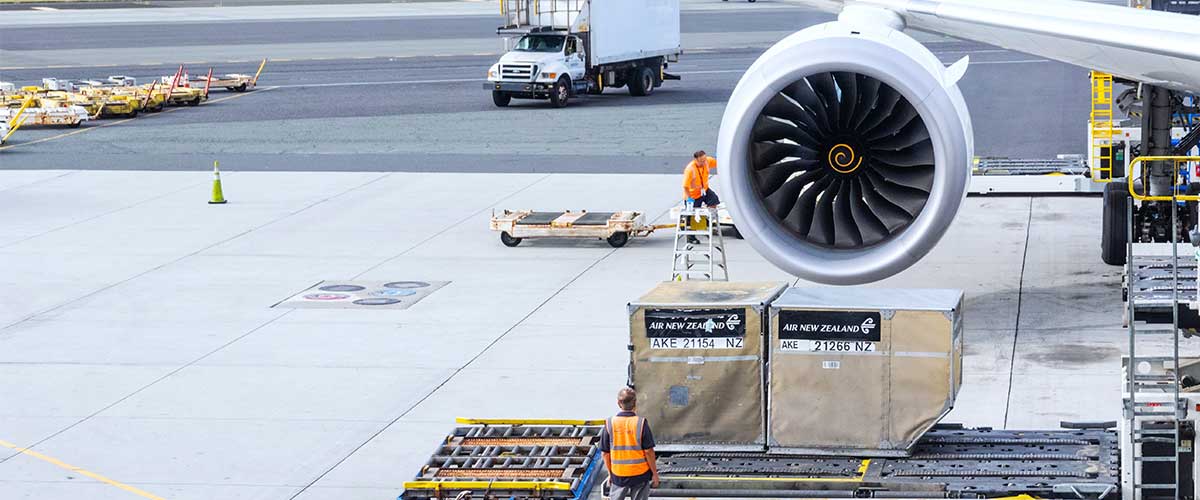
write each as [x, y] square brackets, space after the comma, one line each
[695, 177]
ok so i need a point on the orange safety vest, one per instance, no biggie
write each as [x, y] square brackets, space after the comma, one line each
[628, 457]
[695, 178]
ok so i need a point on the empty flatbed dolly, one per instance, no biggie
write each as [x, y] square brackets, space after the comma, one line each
[614, 227]
[512, 459]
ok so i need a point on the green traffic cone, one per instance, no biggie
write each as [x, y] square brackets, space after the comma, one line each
[217, 196]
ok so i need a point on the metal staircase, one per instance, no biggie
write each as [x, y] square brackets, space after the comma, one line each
[1100, 156]
[699, 246]
[1153, 409]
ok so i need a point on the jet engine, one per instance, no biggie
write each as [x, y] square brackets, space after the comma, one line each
[845, 151]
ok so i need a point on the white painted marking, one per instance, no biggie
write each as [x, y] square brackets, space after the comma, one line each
[44, 8]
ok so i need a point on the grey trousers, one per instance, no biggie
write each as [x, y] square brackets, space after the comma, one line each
[635, 492]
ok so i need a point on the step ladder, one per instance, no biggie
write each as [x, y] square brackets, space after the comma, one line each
[1100, 156]
[699, 246]
[1153, 409]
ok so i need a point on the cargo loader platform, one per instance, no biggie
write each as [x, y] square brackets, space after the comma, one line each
[512, 459]
[1149, 287]
[614, 227]
[948, 462]
[560, 460]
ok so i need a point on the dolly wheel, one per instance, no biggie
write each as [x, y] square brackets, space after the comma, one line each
[618, 239]
[508, 239]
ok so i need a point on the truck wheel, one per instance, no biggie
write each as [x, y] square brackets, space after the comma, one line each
[240, 88]
[194, 102]
[642, 83]
[560, 93]
[501, 99]
[1113, 226]
[508, 240]
[618, 239]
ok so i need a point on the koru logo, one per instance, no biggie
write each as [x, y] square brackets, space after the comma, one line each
[867, 325]
[732, 322]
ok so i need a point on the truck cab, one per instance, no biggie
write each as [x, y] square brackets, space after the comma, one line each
[549, 65]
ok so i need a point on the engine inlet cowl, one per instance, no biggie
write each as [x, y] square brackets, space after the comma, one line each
[845, 153]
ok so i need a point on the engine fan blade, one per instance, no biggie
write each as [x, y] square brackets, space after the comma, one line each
[822, 230]
[784, 198]
[870, 228]
[771, 128]
[769, 153]
[804, 95]
[848, 85]
[885, 103]
[826, 90]
[909, 199]
[868, 88]
[920, 153]
[892, 216]
[911, 134]
[846, 233]
[918, 177]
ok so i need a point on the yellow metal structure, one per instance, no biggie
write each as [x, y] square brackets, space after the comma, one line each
[16, 121]
[1100, 156]
[1137, 166]
[484, 485]
[527, 421]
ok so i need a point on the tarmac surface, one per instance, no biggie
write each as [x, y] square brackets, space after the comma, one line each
[138, 337]
[397, 87]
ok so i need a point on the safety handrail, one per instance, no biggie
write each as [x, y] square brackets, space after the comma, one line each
[1175, 160]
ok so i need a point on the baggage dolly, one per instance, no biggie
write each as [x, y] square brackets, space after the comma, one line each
[614, 227]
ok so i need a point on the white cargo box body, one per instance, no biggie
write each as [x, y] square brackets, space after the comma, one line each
[627, 30]
[861, 371]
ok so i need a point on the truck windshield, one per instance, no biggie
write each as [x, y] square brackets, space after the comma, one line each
[540, 43]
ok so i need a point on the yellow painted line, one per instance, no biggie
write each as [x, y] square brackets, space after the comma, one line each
[77, 470]
[123, 120]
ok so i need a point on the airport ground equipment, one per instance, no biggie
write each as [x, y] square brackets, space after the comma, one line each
[699, 248]
[1064, 175]
[9, 127]
[696, 360]
[568, 48]
[48, 114]
[235, 82]
[872, 369]
[512, 459]
[614, 227]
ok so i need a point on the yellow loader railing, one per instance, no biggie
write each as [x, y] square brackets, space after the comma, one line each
[1175, 161]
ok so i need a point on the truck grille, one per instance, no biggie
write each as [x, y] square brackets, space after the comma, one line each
[523, 72]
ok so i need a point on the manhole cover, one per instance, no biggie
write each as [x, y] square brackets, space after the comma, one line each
[326, 296]
[342, 288]
[378, 301]
[362, 294]
[406, 284]
[393, 293]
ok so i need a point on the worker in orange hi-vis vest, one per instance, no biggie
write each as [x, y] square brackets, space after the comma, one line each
[628, 447]
[695, 181]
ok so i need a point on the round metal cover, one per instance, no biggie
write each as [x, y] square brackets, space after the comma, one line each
[406, 284]
[377, 301]
[342, 288]
[393, 293]
[326, 296]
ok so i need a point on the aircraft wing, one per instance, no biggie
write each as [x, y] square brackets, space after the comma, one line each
[1154, 47]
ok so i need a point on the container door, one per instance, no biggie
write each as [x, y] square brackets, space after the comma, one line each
[828, 380]
[700, 370]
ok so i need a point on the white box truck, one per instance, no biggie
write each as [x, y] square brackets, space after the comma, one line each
[573, 47]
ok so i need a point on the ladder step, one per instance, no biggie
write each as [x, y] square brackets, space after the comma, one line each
[1154, 486]
[1154, 459]
[1166, 440]
[1153, 359]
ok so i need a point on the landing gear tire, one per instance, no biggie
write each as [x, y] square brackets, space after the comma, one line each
[1113, 236]
[618, 239]
[500, 98]
[561, 92]
[642, 83]
[508, 240]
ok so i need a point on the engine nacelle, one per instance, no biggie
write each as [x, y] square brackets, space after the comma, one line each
[845, 152]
